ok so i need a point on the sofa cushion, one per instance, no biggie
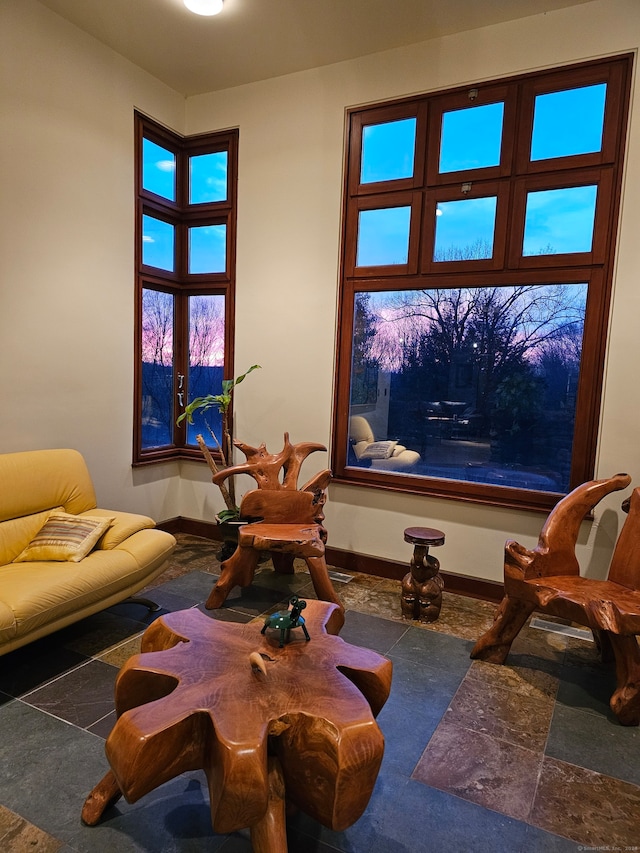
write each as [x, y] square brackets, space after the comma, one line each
[36, 599]
[65, 537]
[38, 480]
[8, 624]
[124, 525]
[16, 533]
[359, 430]
[403, 462]
[39, 594]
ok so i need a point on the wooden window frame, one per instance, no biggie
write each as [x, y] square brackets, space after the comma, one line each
[179, 282]
[514, 176]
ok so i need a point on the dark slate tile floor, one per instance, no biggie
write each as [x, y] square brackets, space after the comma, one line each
[523, 758]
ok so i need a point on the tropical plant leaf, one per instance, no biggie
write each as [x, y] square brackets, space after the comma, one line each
[240, 378]
[228, 515]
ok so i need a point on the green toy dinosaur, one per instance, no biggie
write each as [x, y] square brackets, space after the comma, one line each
[285, 620]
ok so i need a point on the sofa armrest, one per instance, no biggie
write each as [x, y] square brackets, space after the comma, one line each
[124, 525]
[150, 548]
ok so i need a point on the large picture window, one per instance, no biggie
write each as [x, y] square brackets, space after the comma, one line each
[479, 229]
[185, 261]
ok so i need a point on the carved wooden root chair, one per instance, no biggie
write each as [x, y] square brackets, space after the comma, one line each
[548, 579]
[290, 520]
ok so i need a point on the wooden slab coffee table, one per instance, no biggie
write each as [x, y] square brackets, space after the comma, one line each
[304, 731]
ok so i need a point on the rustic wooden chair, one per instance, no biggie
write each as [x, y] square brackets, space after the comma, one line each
[548, 579]
[287, 521]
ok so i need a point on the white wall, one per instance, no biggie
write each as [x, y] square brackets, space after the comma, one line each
[66, 249]
[290, 182]
[66, 256]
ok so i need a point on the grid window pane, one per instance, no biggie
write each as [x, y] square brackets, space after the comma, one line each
[478, 384]
[569, 122]
[471, 138]
[469, 321]
[206, 362]
[559, 221]
[388, 151]
[207, 248]
[157, 368]
[158, 170]
[383, 236]
[185, 283]
[158, 239]
[465, 229]
[208, 177]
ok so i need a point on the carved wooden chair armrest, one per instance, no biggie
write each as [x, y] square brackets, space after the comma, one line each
[318, 482]
[265, 467]
[625, 563]
[555, 552]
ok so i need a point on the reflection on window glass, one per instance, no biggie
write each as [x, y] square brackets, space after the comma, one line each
[157, 368]
[157, 243]
[383, 236]
[158, 170]
[568, 122]
[207, 248]
[471, 138]
[388, 151]
[206, 363]
[559, 221]
[465, 229]
[208, 177]
[468, 384]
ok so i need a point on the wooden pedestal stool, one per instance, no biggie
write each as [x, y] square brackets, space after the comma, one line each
[422, 586]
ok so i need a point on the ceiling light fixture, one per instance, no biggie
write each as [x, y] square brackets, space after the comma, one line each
[204, 7]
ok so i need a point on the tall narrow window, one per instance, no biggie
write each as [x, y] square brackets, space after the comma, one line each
[476, 280]
[186, 210]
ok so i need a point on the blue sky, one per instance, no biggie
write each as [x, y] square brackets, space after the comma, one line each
[207, 184]
[565, 123]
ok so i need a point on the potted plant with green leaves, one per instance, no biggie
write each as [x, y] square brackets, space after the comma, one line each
[224, 445]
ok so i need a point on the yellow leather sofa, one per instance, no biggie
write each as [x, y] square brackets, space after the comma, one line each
[40, 596]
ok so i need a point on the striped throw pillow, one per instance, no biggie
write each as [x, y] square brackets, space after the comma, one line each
[65, 537]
